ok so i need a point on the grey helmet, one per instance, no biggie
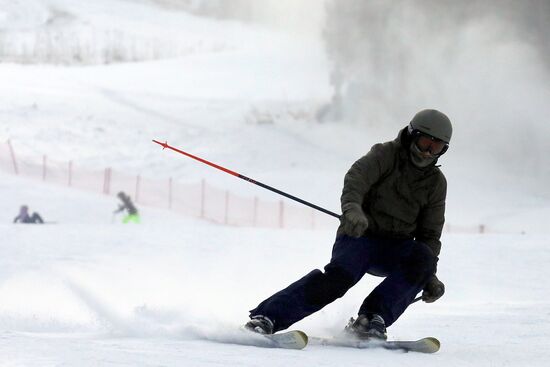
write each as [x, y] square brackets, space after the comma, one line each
[433, 123]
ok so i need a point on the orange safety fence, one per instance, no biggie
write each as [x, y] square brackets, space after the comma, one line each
[199, 200]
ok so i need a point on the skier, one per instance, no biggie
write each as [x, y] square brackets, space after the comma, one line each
[133, 215]
[24, 217]
[393, 205]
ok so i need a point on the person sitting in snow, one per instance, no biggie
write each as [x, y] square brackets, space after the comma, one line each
[393, 205]
[133, 215]
[24, 217]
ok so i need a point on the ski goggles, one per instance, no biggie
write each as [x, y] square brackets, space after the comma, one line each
[428, 143]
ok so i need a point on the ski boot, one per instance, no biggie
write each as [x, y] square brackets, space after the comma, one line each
[367, 327]
[260, 324]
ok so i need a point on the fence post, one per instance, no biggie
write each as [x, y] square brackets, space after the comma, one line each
[170, 193]
[281, 214]
[255, 213]
[15, 169]
[226, 216]
[70, 174]
[203, 197]
[138, 184]
[107, 181]
[44, 159]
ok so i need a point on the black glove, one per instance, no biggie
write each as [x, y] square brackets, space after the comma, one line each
[354, 221]
[433, 290]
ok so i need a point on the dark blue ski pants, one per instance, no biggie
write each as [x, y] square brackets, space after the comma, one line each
[406, 265]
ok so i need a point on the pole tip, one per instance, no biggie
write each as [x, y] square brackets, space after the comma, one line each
[163, 145]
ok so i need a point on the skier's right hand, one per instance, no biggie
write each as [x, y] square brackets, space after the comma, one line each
[433, 290]
[354, 221]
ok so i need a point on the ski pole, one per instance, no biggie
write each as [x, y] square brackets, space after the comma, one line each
[165, 145]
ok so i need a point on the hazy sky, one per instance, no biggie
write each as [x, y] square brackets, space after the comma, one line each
[484, 63]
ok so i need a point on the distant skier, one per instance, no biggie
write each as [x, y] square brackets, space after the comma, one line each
[24, 217]
[133, 215]
[393, 205]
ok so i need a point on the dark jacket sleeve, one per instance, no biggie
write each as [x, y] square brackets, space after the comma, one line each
[364, 173]
[432, 218]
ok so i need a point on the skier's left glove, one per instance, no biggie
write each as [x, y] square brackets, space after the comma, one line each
[433, 290]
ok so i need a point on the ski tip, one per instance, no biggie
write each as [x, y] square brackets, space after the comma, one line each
[434, 344]
[293, 339]
[303, 335]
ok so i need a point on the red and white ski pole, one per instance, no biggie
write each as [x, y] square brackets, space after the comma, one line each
[233, 173]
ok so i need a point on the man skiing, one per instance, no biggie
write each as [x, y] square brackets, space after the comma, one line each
[25, 217]
[133, 215]
[393, 205]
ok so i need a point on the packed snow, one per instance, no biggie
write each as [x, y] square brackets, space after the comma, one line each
[85, 290]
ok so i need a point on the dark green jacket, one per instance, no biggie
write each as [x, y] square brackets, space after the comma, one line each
[399, 199]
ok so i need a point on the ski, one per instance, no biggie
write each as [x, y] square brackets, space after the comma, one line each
[294, 339]
[424, 345]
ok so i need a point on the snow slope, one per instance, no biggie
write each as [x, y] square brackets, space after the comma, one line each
[86, 291]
